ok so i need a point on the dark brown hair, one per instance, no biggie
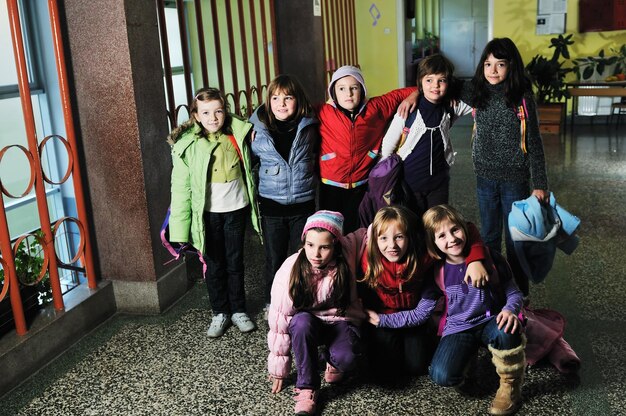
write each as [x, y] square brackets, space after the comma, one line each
[516, 83]
[301, 288]
[438, 64]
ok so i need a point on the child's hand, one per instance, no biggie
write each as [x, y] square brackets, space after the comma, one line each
[252, 136]
[541, 195]
[476, 274]
[372, 317]
[407, 105]
[509, 321]
[277, 384]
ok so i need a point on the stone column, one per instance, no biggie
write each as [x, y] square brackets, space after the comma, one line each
[300, 45]
[120, 112]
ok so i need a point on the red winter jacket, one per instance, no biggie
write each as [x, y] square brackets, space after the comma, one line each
[350, 149]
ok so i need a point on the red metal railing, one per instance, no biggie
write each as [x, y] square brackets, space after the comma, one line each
[244, 54]
[34, 154]
[338, 22]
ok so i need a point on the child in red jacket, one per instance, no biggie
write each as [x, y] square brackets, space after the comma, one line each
[351, 129]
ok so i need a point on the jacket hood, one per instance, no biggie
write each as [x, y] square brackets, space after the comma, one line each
[177, 133]
[344, 71]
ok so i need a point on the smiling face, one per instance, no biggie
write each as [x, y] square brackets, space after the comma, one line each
[434, 87]
[348, 92]
[211, 115]
[393, 242]
[495, 70]
[283, 105]
[319, 247]
[450, 239]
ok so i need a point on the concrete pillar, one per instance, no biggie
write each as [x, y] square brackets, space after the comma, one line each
[300, 45]
[120, 109]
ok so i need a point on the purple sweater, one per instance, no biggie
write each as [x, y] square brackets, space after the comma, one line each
[467, 306]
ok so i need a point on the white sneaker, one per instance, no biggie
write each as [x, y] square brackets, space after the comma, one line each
[266, 311]
[243, 322]
[219, 324]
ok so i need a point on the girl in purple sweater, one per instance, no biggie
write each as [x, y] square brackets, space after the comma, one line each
[475, 316]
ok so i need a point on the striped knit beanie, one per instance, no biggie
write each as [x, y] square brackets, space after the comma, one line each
[329, 220]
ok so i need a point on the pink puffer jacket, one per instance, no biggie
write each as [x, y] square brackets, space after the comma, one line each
[281, 309]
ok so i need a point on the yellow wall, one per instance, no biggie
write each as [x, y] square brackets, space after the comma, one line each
[516, 20]
[377, 50]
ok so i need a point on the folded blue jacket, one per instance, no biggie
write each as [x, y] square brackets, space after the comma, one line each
[537, 230]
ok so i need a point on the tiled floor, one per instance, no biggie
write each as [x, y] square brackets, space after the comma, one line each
[167, 366]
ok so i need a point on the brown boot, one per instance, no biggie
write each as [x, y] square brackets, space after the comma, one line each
[510, 366]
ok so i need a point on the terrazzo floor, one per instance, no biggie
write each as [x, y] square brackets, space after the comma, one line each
[166, 365]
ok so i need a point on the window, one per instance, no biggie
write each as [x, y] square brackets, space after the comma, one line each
[22, 214]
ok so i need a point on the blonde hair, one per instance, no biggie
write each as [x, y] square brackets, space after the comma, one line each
[432, 221]
[411, 226]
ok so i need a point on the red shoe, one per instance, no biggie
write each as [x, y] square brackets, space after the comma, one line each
[332, 375]
[305, 401]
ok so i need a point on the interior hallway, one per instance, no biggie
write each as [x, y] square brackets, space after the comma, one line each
[166, 365]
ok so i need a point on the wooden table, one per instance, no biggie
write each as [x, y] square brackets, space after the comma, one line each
[575, 89]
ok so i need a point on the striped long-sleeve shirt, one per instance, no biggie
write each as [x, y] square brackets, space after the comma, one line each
[467, 306]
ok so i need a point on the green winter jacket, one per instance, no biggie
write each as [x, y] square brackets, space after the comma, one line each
[191, 154]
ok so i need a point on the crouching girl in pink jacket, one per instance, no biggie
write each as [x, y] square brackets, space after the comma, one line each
[313, 302]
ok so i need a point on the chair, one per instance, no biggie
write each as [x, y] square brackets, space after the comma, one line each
[621, 109]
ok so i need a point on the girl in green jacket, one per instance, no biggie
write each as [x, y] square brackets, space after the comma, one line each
[212, 193]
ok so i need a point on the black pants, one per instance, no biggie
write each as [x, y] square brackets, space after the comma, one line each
[343, 200]
[282, 237]
[224, 258]
[403, 351]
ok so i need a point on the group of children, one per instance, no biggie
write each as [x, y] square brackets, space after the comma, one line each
[325, 277]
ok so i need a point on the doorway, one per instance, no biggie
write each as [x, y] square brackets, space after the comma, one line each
[463, 33]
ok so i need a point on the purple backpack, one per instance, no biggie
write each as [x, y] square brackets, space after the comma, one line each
[385, 186]
[178, 250]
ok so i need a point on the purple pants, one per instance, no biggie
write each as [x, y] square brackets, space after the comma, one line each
[308, 332]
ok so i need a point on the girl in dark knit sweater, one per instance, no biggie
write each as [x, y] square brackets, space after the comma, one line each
[507, 149]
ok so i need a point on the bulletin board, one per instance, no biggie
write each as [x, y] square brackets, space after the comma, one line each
[551, 16]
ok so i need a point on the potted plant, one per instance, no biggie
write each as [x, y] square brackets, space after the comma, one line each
[35, 292]
[598, 65]
[425, 46]
[548, 78]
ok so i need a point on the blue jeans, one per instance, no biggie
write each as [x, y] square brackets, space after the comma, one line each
[282, 238]
[224, 234]
[494, 203]
[307, 332]
[455, 351]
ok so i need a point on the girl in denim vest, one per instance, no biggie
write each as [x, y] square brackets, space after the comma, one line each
[285, 143]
